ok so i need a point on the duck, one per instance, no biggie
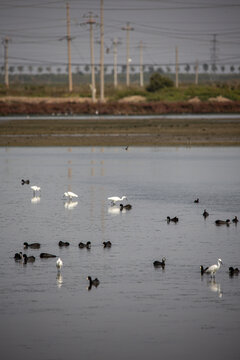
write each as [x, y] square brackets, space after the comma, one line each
[235, 220]
[205, 213]
[18, 256]
[87, 245]
[174, 219]
[28, 258]
[92, 282]
[158, 263]
[47, 256]
[222, 222]
[62, 243]
[32, 246]
[25, 182]
[214, 268]
[107, 244]
[233, 271]
[203, 270]
[127, 207]
[196, 201]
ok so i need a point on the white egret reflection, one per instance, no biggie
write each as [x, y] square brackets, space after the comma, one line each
[59, 280]
[70, 204]
[114, 210]
[215, 287]
[35, 199]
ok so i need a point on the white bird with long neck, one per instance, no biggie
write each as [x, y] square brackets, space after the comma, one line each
[70, 195]
[35, 188]
[114, 199]
[214, 268]
[59, 264]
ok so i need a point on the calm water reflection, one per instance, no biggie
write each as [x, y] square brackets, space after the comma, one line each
[137, 311]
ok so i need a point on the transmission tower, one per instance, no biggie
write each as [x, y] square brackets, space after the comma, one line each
[214, 49]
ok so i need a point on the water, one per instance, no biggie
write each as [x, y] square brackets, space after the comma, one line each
[137, 311]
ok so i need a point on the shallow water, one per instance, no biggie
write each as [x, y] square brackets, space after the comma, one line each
[137, 311]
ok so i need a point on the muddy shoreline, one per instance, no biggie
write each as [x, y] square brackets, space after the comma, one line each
[117, 132]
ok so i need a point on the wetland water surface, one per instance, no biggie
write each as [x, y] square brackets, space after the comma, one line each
[137, 311]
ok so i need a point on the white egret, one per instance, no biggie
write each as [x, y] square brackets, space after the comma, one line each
[114, 199]
[70, 195]
[59, 264]
[35, 188]
[213, 268]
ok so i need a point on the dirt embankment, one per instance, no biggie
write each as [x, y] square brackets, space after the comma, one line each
[47, 106]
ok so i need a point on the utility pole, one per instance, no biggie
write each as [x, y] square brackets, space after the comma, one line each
[196, 73]
[69, 51]
[91, 22]
[101, 53]
[176, 83]
[6, 79]
[115, 43]
[141, 63]
[128, 60]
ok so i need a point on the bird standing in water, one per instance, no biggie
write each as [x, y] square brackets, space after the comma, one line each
[213, 268]
[59, 264]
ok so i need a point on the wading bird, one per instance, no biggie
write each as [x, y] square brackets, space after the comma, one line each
[35, 188]
[59, 264]
[213, 268]
[114, 199]
[70, 195]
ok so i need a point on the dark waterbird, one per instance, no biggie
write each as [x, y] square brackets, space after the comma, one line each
[174, 219]
[87, 245]
[158, 263]
[203, 270]
[92, 282]
[107, 244]
[196, 201]
[28, 258]
[25, 182]
[233, 271]
[235, 220]
[222, 222]
[18, 256]
[47, 256]
[62, 243]
[127, 207]
[31, 246]
[205, 213]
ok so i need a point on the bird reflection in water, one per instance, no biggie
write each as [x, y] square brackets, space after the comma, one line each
[59, 280]
[70, 204]
[215, 287]
[114, 210]
[35, 199]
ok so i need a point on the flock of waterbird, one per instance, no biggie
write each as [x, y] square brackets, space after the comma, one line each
[69, 196]
[211, 270]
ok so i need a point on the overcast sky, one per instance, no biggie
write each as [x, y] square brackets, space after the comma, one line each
[37, 30]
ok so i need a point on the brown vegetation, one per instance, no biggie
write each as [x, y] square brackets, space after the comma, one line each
[43, 107]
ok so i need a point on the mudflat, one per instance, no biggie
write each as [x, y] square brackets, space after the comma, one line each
[120, 132]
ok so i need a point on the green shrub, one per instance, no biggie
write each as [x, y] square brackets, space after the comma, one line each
[158, 82]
